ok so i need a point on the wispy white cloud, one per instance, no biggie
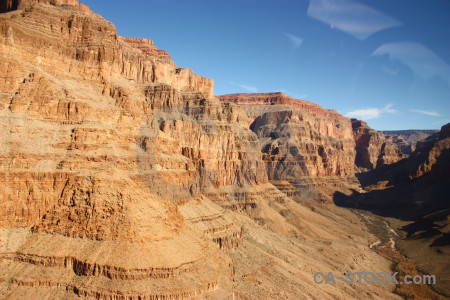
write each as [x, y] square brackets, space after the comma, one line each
[389, 71]
[388, 109]
[442, 122]
[295, 40]
[421, 60]
[371, 113]
[427, 112]
[365, 114]
[248, 88]
[349, 16]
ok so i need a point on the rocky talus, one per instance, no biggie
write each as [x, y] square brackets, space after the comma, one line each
[123, 177]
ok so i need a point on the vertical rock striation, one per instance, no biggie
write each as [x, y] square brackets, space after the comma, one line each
[123, 177]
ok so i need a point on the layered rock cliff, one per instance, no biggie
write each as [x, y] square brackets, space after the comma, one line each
[90, 120]
[373, 149]
[312, 146]
[124, 178]
[9, 5]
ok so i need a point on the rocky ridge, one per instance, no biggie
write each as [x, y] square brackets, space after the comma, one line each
[407, 139]
[315, 149]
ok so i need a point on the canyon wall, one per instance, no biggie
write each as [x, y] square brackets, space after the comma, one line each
[298, 138]
[373, 149]
[312, 146]
[407, 139]
[102, 139]
[123, 177]
[416, 191]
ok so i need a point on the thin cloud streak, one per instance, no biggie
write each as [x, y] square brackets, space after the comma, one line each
[365, 114]
[389, 71]
[422, 61]
[248, 88]
[427, 112]
[351, 17]
[371, 113]
[442, 122]
[295, 40]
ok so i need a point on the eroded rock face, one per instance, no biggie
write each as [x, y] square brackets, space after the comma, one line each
[298, 138]
[407, 139]
[372, 147]
[102, 139]
[124, 178]
[309, 146]
[9, 5]
[89, 45]
[146, 46]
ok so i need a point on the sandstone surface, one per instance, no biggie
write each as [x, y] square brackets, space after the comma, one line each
[123, 177]
[373, 149]
[311, 146]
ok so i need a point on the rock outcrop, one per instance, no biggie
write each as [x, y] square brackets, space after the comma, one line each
[298, 138]
[373, 149]
[146, 46]
[102, 138]
[9, 5]
[309, 146]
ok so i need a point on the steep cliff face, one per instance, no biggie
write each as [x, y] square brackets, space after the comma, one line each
[89, 45]
[124, 178]
[102, 138]
[372, 147]
[309, 146]
[9, 5]
[146, 46]
[298, 138]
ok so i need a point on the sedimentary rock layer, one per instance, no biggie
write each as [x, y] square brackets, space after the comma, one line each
[373, 149]
[124, 178]
[298, 138]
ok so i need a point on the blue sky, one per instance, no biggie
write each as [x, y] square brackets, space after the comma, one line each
[386, 62]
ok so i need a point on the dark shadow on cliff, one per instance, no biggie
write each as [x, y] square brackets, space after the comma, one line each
[394, 192]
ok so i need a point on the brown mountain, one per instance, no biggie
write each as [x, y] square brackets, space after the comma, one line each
[373, 149]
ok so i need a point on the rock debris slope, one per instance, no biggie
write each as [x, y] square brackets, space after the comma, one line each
[123, 177]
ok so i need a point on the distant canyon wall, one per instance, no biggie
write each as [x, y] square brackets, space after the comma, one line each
[300, 138]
